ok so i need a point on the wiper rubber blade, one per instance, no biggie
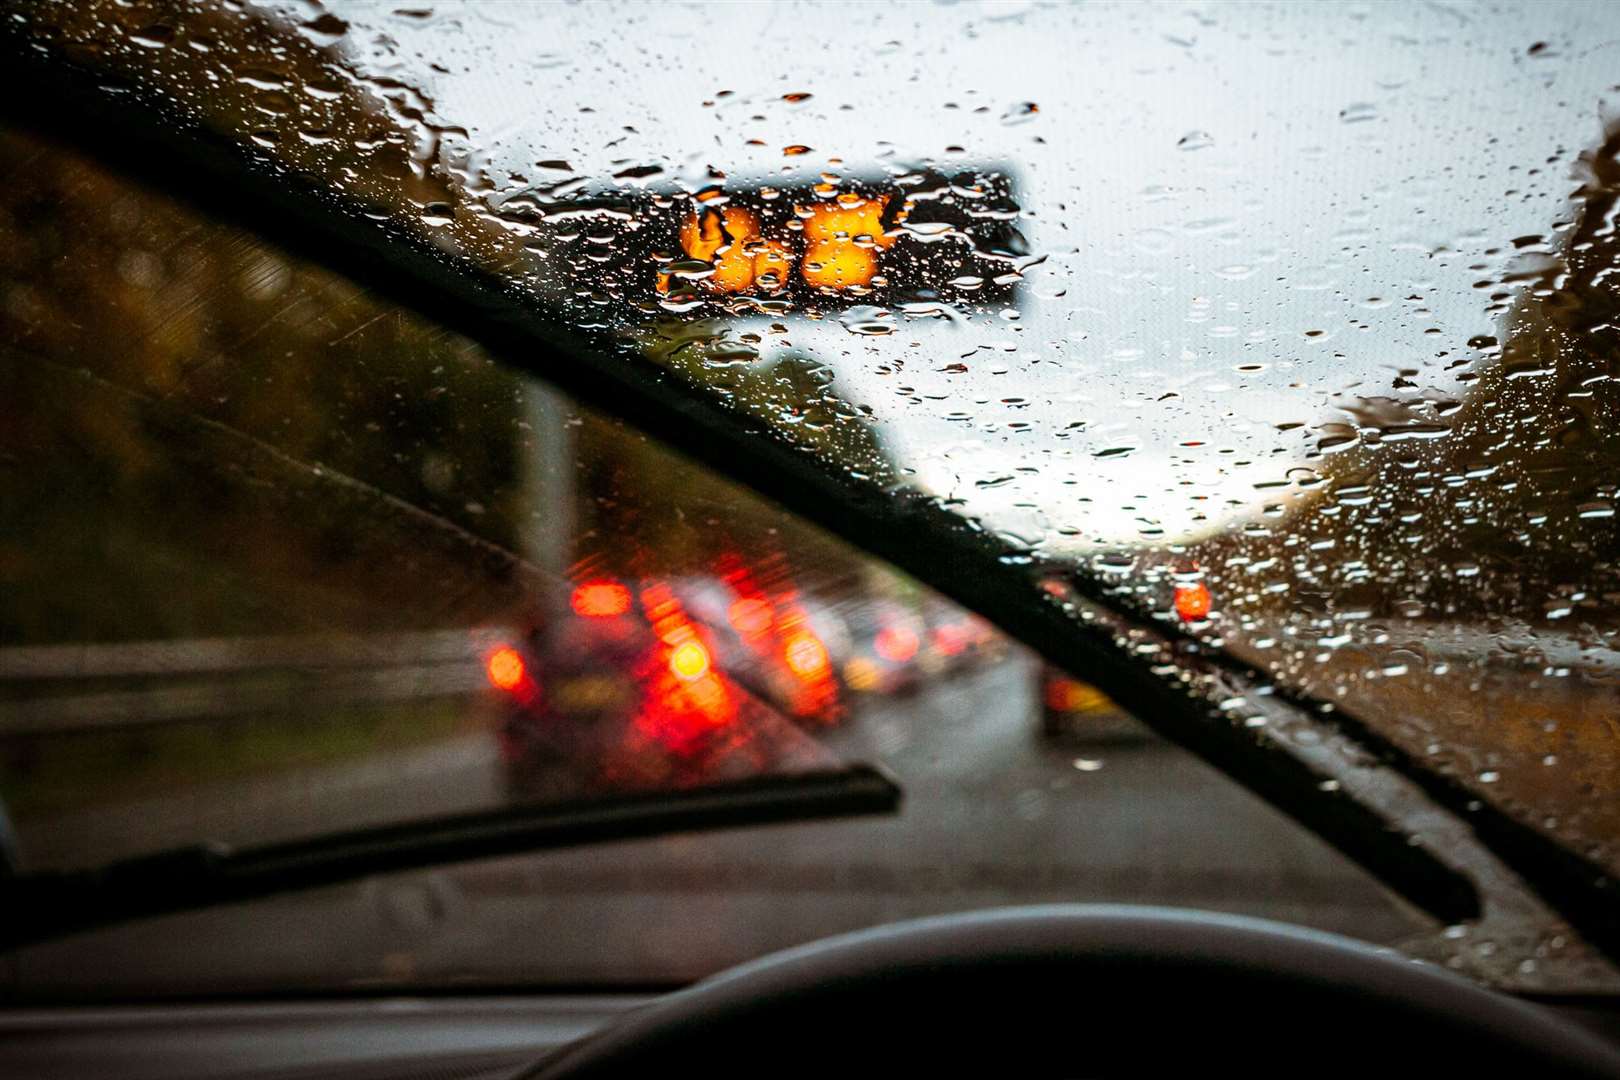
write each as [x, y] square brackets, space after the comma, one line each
[42, 906]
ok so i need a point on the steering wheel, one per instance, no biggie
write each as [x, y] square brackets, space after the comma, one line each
[1086, 991]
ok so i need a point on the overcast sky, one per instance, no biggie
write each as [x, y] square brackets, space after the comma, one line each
[1248, 212]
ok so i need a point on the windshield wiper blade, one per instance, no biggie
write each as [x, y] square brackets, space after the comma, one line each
[48, 905]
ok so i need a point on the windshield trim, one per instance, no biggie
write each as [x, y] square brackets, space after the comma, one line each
[136, 132]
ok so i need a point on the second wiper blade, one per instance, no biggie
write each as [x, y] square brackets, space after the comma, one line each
[43, 906]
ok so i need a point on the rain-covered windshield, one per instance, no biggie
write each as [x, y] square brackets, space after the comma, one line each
[290, 561]
[1288, 326]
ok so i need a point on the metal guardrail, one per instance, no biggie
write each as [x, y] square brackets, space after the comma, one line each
[199, 655]
[130, 684]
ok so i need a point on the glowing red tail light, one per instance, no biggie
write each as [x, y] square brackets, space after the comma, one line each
[505, 668]
[1070, 695]
[600, 599]
[805, 655]
[1193, 602]
[689, 661]
[952, 638]
[896, 643]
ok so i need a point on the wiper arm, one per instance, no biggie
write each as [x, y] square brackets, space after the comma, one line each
[48, 905]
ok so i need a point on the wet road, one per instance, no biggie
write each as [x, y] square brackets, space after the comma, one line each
[993, 814]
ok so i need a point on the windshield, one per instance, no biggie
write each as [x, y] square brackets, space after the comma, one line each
[1336, 349]
[1318, 371]
[297, 562]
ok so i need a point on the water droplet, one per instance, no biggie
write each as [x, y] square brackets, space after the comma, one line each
[1021, 113]
[155, 36]
[868, 321]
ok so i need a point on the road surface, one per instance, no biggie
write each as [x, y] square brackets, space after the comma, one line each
[993, 814]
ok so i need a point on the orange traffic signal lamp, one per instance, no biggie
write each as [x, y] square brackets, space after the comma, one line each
[899, 236]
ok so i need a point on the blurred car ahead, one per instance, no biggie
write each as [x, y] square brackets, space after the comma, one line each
[886, 648]
[956, 639]
[663, 682]
[626, 688]
[1073, 709]
[784, 647]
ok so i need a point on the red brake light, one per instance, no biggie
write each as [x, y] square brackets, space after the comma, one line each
[505, 668]
[1070, 695]
[951, 638]
[600, 599]
[806, 656]
[896, 643]
[689, 661]
[1193, 602]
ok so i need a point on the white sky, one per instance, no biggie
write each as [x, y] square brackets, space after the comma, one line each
[1357, 156]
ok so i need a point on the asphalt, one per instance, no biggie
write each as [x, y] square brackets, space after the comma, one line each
[993, 814]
